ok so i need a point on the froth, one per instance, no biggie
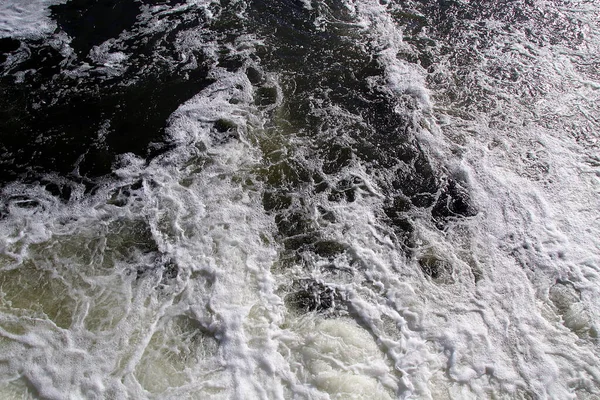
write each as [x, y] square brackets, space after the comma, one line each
[179, 276]
[532, 244]
[176, 250]
[26, 19]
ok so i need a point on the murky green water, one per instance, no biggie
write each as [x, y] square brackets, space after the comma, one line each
[299, 199]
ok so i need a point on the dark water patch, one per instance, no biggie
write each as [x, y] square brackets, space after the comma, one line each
[121, 195]
[255, 76]
[59, 119]
[61, 190]
[313, 296]
[164, 268]
[225, 126]
[7, 46]
[92, 22]
[346, 189]
[411, 20]
[224, 131]
[39, 63]
[439, 270]
[230, 62]
[336, 157]
[298, 231]
[397, 213]
[82, 134]
[326, 214]
[286, 174]
[274, 200]
[336, 103]
[265, 96]
[321, 183]
[453, 202]
[328, 249]
[421, 181]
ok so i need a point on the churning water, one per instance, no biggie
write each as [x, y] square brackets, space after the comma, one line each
[300, 199]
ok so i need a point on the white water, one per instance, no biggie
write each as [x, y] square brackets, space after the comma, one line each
[515, 314]
[26, 18]
[529, 327]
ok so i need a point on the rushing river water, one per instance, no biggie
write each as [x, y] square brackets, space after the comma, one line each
[300, 199]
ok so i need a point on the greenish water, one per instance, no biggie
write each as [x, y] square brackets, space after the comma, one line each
[290, 200]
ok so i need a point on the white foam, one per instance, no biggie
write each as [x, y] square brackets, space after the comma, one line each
[492, 331]
[529, 174]
[86, 312]
[402, 78]
[95, 325]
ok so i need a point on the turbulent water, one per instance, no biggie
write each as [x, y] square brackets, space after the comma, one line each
[300, 199]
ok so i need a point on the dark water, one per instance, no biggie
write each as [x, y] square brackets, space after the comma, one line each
[295, 199]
